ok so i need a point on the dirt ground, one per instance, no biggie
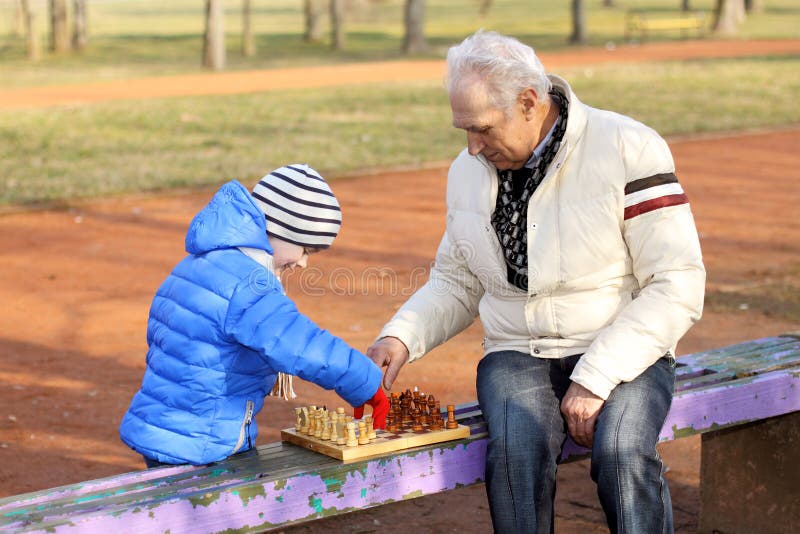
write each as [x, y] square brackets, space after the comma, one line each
[76, 286]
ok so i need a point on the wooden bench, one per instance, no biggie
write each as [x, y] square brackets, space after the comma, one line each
[731, 395]
[641, 23]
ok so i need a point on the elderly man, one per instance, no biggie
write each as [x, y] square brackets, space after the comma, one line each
[569, 234]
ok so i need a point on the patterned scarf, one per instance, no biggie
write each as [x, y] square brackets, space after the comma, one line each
[510, 215]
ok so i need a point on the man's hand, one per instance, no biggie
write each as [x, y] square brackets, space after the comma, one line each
[580, 408]
[391, 353]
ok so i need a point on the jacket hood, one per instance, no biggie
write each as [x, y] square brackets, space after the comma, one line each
[231, 219]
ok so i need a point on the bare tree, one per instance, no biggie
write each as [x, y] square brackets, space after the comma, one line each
[578, 35]
[214, 38]
[753, 6]
[31, 31]
[79, 34]
[727, 16]
[685, 5]
[414, 41]
[248, 44]
[18, 25]
[337, 24]
[59, 32]
[313, 10]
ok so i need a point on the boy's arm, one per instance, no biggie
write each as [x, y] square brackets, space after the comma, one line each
[262, 318]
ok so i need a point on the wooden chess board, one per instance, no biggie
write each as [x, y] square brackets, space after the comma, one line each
[385, 442]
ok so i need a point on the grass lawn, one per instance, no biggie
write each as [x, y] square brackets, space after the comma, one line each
[55, 154]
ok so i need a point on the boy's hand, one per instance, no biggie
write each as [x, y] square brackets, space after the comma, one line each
[380, 409]
[391, 353]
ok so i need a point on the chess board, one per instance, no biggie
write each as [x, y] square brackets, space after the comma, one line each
[385, 442]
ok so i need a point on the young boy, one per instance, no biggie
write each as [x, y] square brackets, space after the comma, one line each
[221, 328]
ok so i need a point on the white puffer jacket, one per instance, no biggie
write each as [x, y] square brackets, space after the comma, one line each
[614, 263]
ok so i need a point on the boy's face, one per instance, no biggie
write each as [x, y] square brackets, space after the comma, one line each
[286, 256]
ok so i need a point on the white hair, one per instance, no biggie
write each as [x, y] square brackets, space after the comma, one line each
[505, 66]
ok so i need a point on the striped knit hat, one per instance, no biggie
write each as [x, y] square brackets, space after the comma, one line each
[299, 206]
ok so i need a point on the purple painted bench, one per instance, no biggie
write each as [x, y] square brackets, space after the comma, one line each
[282, 484]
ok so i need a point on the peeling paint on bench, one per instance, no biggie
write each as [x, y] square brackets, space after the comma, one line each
[281, 484]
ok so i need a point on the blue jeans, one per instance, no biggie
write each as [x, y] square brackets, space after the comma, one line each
[520, 397]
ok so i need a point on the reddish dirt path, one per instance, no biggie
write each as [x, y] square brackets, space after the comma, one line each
[76, 285]
[327, 76]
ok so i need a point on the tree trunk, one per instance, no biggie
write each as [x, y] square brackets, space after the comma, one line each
[727, 15]
[214, 39]
[59, 32]
[608, 3]
[685, 7]
[337, 24]
[248, 44]
[18, 26]
[31, 31]
[313, 10]
[753, 6]
[414, 41]
[79, 35]
[578, 23]
[484, 8]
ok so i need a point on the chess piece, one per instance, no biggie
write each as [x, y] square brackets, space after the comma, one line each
[405, 410]
[312, 420]
[363, 438]
[416, 426]
[334, 431]
[341, 427]
[371, 434]
[431, 405]
[304, 420]
[319, 423]
[351, 441]
[436, 423]
[298, 414]
[326, 428]
[451, 417]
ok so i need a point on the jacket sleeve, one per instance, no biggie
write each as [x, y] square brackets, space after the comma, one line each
[659, 230]
[262, 318]
[443, 307]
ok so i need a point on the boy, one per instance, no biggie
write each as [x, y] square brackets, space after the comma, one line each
[221, 331]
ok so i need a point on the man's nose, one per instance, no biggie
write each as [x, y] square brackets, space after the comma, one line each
[303, 262]
[474, 144]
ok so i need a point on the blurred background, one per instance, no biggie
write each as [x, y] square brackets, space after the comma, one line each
[67, 151]
[118, 118]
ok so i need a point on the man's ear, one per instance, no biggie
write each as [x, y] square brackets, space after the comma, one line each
[528, 99]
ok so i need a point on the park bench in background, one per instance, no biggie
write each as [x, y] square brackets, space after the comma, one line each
[744, 399]
[642, 24]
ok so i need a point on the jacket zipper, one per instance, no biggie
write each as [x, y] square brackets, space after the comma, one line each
[244, 431]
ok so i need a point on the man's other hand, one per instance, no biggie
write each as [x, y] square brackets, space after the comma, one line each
[580, 408]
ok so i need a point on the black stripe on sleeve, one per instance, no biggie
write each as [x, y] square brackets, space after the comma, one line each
[650, 181]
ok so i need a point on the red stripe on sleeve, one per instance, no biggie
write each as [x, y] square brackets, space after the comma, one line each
[654, 204]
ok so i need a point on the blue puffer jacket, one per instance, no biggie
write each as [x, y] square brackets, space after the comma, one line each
[220, 330]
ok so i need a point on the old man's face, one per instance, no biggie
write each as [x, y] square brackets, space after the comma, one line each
[505, 139]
